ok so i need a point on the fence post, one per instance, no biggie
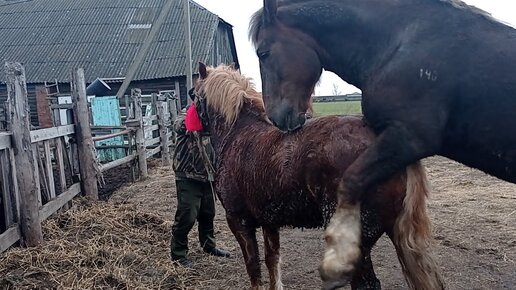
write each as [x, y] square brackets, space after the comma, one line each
[23, 155]
[173, 108]
[85, 146]
[163, 123]
[136, 96]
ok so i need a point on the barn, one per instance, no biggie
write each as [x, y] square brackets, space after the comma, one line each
[51, 37]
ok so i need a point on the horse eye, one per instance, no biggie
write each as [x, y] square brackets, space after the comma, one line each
[263, 54]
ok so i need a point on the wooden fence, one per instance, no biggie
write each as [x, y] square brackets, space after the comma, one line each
[41, 171]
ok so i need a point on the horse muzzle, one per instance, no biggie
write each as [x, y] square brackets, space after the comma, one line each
[288, 121]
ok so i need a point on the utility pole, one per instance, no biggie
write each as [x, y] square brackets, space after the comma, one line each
[188, 46]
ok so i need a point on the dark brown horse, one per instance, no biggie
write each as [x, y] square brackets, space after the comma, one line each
[267, 178]
[437, 77]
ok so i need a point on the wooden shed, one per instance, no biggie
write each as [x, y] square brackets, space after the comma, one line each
[51, 37]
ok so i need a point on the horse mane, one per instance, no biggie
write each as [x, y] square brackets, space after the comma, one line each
[462, 5]
[255, 25]
[256, 22]
[226, 91]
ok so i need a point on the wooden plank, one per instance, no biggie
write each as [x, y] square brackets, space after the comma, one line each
[152, 141]
[174, 107]
[60, 163]
[14, 182]
[87, 163]
[45, 191]
[130, 151]
[51, 133]
[129, 114]
[48, 167]
[132, 123]
[5, 140]
[112, 147]
[61, 106]
[163, 129]
[136, 95]
[93, 128]
[9, 237]
[7, 200]
[60, 159]
[152, 127]
[36, 171]
[150, 118]
[20, 127]
[108, 136]
[54, 205]
[153, 152]
[154, 98]
[117, 162]
[74, 159]
[56, 117]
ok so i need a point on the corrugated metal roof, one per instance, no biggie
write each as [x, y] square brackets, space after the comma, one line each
[51, 37]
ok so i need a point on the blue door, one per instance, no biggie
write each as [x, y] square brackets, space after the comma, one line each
[106, 112]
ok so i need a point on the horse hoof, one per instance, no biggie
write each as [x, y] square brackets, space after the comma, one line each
[342, 247]
[334, 284]
[335, 274]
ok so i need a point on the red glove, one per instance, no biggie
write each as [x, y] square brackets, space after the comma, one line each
[192, 121]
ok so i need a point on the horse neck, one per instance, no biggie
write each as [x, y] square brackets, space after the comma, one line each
[352, 37]
[221, 131]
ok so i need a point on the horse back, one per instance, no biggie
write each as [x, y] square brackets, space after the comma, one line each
[272, 178]
[458, 87]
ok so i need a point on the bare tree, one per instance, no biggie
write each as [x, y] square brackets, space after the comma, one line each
[336, 90]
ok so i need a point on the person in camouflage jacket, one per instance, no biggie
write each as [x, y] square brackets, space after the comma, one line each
[195, 200]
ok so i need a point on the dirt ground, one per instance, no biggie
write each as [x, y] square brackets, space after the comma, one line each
[474, 218]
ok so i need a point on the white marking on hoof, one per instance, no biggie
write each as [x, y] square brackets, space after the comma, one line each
[342, 244]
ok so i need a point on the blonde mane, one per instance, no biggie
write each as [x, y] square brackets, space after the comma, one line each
[226, 91]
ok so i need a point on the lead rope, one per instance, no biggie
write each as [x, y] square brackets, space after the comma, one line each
[207, 163]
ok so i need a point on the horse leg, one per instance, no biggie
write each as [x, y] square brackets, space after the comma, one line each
[246, 237]
[372, 229]
[364, 278]
[393, 150]
[272, 257]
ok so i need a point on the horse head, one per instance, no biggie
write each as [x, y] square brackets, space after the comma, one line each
[222, 92]
[290, 67]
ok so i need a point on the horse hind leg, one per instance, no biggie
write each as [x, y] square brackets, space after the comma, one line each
[246, 238]
[272, 257]
[394, 149]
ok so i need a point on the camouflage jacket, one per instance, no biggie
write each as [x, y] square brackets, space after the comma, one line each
[188, 161]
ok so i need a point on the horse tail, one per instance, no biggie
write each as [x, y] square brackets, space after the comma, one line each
[413, 234]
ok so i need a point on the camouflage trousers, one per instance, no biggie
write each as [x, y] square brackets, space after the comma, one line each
[194, 202]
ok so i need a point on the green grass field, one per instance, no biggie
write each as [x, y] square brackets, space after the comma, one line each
[337, 108]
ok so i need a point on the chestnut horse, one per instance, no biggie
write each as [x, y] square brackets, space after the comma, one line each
[267, 178]
[437, 77]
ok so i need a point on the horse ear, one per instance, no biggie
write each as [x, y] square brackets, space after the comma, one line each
[270, 9]
[202, 70]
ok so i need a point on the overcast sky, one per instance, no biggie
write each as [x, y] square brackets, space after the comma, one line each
[238, 13]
